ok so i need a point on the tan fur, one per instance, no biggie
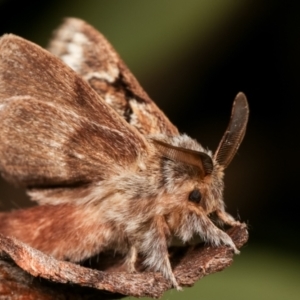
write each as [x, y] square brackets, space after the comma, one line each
[107, 167]
[66, 231]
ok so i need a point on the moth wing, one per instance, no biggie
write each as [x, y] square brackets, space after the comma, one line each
[88, 52]
[55, 130]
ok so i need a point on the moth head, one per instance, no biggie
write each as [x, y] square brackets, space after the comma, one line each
[187, 173]
[194, 175]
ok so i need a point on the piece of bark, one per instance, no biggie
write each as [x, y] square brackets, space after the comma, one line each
[26, 273]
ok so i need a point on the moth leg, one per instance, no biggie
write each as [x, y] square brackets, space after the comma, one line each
[227, 218]
[155, 248]
[207, 230]
[130, 259]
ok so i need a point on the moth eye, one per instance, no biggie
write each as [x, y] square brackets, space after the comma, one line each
[195, 196]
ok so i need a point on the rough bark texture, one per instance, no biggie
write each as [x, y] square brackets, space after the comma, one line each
[26, 273]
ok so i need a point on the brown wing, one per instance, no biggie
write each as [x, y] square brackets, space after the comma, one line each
[55, 130]
[86, 51]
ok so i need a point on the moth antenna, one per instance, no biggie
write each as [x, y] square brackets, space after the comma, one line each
[190, 157]
[235, 132]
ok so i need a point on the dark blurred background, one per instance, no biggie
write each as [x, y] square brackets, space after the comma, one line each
[192, 57]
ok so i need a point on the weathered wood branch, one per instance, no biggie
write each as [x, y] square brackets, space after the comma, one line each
[26, 273]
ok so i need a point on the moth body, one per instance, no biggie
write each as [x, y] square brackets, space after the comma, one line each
[107, 168]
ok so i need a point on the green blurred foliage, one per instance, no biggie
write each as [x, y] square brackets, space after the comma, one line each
[152, 27]
[259, 273]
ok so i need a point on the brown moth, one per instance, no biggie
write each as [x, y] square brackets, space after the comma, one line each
[107, 167]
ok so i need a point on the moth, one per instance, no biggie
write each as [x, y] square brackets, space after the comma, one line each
[106, 166]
